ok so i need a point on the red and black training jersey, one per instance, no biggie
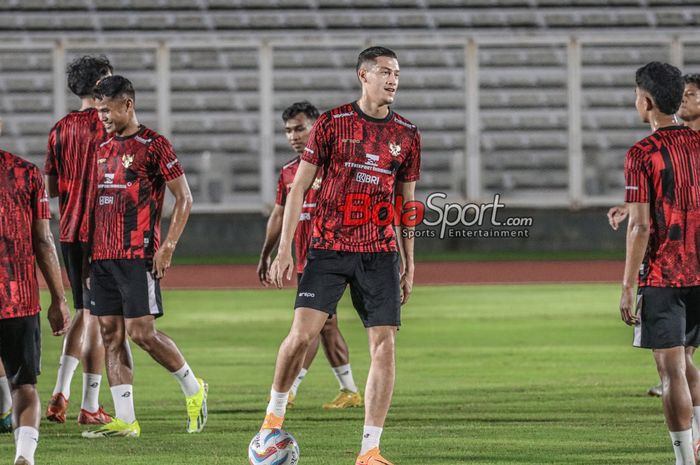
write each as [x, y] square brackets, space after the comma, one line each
[664, 171]
[23, 199]
[131, 176]
[70, 156]
[302, 235]
[362, 158]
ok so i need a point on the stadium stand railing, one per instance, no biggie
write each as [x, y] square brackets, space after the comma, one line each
[544, 121]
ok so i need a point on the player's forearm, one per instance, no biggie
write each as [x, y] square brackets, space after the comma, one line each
[51, 185]
[295, 203]
[406, 240]
[47, 260]
[272, 234]
[178, 219]
[637, 240]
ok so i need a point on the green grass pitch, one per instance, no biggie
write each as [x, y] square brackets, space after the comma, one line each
[486, 375]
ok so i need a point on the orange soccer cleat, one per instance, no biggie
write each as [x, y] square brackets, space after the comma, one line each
[56, 410]
[100, 417]
[272, 421]
[372, 457]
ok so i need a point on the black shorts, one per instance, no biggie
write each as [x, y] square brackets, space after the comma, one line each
[74, 258]
[124, 287]
[333, 309]
[669, 317]
[20, 349]
[374, 280]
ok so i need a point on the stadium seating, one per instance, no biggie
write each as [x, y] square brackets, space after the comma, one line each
[215, 92]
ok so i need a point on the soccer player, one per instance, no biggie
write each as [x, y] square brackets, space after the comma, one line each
[367, 152]
[689, 113]
[5, 402]
[69, 171]
[298, 120]
[26, 240]
[133, 168]
[663, 240]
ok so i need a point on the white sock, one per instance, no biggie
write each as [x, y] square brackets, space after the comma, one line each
[5, 395]
[683, 447]
[188, 382]
[66, 368]
[297, 382]
[26, 440]
[91, 392]
[696, 423]
[370, 438]
[343, 374]
[123, 396]
[278, 403]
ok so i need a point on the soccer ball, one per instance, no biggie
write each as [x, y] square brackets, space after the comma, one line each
[273, 447]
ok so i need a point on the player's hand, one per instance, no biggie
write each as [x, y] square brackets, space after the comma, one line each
[86, 270]
[628, 307]
[59, 317]
[264, 271]
[406, 285]
[617, 215]
[162, 259]
[86, 274]
[282, 264]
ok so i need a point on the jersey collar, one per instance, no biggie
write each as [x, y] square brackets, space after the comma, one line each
[365, 116]
[141, 128]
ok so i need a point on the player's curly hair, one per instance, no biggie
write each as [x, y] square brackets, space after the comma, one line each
[371, 54]
[113, 87]
[84, 72]
[692, 78]
[664, 83]
[300, 107]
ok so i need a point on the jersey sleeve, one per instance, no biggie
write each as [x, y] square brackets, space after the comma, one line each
[39, 198]
[52, 153]
[281, 197]
[409, 170]
[317, 148]
[637, 176]
[165, 159]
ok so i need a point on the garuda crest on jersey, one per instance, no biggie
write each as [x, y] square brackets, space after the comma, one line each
[127, 160]
[395, 149]
[317, 183]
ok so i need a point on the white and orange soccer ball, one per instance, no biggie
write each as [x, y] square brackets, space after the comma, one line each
[273, 447]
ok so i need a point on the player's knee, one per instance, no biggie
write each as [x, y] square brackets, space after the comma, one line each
[382, 346]
[329, 330]
[24, 391]
[300, 340]
[142, 338]
[672, 370]
[109, 338]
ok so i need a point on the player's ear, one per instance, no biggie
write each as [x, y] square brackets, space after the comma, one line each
[362, 74]
[648, 102]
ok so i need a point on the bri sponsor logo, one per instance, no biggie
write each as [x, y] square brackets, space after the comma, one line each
[106, 200]
[366, 178]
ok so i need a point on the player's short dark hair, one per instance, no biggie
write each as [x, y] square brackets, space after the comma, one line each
[372, 53]
[300, 107]
[692, 78]
[664, 83]
[84, 72]
[115, 87]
